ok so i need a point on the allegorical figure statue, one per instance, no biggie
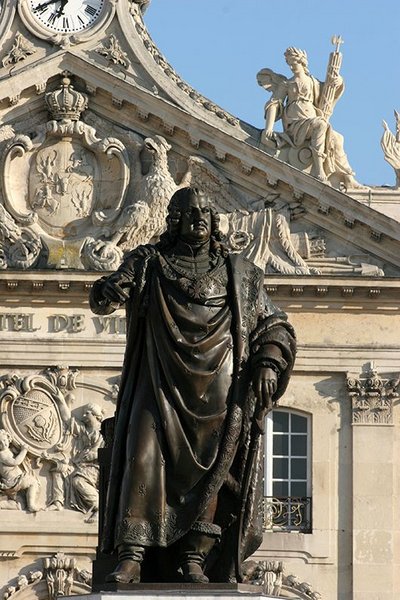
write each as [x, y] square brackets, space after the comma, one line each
[78, 474]
[305, 105]
[207, 355]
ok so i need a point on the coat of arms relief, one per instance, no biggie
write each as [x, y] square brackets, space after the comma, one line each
[60, 183]
[48, 446]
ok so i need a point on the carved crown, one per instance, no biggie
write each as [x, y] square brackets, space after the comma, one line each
[65, 102]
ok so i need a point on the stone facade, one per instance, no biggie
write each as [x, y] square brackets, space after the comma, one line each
[97, 131]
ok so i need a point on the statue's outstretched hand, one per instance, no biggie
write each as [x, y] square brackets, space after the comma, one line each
[115, 287]
[265, 382]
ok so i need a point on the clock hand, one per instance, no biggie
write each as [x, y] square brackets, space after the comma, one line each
[61, 9]
[44, 4]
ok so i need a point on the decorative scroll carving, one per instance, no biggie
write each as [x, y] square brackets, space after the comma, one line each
[143, 4]
[59, 572]
[390, 144]
[372, 397]
[113, 52]
[21, 48]
[20, 248]
[23, 581]
[100, 255]
[265, 573]
[59, 576]
[302, 589]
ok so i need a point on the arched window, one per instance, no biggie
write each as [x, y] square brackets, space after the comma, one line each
[287, 483]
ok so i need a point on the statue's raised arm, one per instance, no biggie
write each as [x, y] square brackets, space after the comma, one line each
[304, 105]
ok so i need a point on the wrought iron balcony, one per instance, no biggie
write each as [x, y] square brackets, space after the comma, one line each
[287, 514]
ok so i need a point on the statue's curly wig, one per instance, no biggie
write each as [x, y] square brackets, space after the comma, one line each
[298, 55]
[168, 239]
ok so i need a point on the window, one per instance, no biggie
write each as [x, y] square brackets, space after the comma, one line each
[287, 487]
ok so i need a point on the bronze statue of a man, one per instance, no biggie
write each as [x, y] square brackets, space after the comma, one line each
[207, 353]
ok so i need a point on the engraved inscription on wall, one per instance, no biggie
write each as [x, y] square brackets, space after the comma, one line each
[62, 323]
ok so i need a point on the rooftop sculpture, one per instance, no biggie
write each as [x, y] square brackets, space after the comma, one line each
[305, 106]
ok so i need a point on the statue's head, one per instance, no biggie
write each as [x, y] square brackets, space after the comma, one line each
[295, 56]
[191, 217]
[93, 412]
[5, 439]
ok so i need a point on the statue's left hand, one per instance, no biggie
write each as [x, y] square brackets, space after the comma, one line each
[265, 382]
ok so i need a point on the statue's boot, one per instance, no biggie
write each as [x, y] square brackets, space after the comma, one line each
[195, 547]
[128, 568]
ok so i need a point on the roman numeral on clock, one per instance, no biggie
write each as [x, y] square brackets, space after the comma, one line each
[65, 23]
[51, 18]
[90, 10]
[81, 21]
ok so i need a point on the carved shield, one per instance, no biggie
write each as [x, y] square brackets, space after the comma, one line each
[62, 183]
[32, 418]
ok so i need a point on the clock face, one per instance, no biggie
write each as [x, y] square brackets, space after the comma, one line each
[66, 16]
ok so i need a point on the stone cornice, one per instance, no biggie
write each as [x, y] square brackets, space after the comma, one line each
[70, 287]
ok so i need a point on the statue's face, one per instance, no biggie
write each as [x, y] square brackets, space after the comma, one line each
[4, 441]
[295, 66]
[90, 418]
[195, 219]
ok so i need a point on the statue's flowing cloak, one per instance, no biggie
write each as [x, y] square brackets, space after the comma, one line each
[185, 405]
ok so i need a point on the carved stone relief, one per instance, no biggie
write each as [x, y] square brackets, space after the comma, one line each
[69, 183]
[82, 200]
[58, 575]
[314, 250]
[43, 438]
[270, 576]
[302, 589]
[390, 144]
[267, 574]
[21, 48]
[372, 397]
[113, 52]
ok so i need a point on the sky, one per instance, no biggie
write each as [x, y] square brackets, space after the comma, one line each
[218, 46]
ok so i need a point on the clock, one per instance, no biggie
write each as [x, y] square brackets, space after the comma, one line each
[66, 22]
[66, 16]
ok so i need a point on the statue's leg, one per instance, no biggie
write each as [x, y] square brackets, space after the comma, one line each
[318, 130]
[30, 484]
[197, 544]
[58, 494]
[128, 568]
[195, 548]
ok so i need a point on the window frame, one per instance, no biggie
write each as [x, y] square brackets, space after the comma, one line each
[269, 461]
